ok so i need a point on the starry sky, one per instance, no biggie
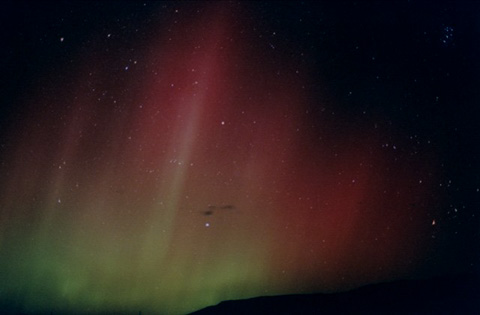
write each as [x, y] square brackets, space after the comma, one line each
[165, 156]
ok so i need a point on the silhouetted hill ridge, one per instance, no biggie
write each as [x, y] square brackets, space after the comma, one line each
[447, 295]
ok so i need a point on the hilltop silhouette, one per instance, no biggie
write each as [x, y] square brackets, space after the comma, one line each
[448, 295]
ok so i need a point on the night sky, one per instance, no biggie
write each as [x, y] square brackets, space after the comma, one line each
[165, 156]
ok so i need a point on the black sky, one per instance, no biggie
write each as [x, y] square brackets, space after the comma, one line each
[411, 66]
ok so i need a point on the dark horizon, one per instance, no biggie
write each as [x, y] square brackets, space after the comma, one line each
[444, 295]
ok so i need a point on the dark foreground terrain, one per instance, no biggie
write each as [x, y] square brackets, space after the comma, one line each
[447, 295]
[459, 295]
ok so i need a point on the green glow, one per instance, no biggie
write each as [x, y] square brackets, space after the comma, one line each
[81, 268]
